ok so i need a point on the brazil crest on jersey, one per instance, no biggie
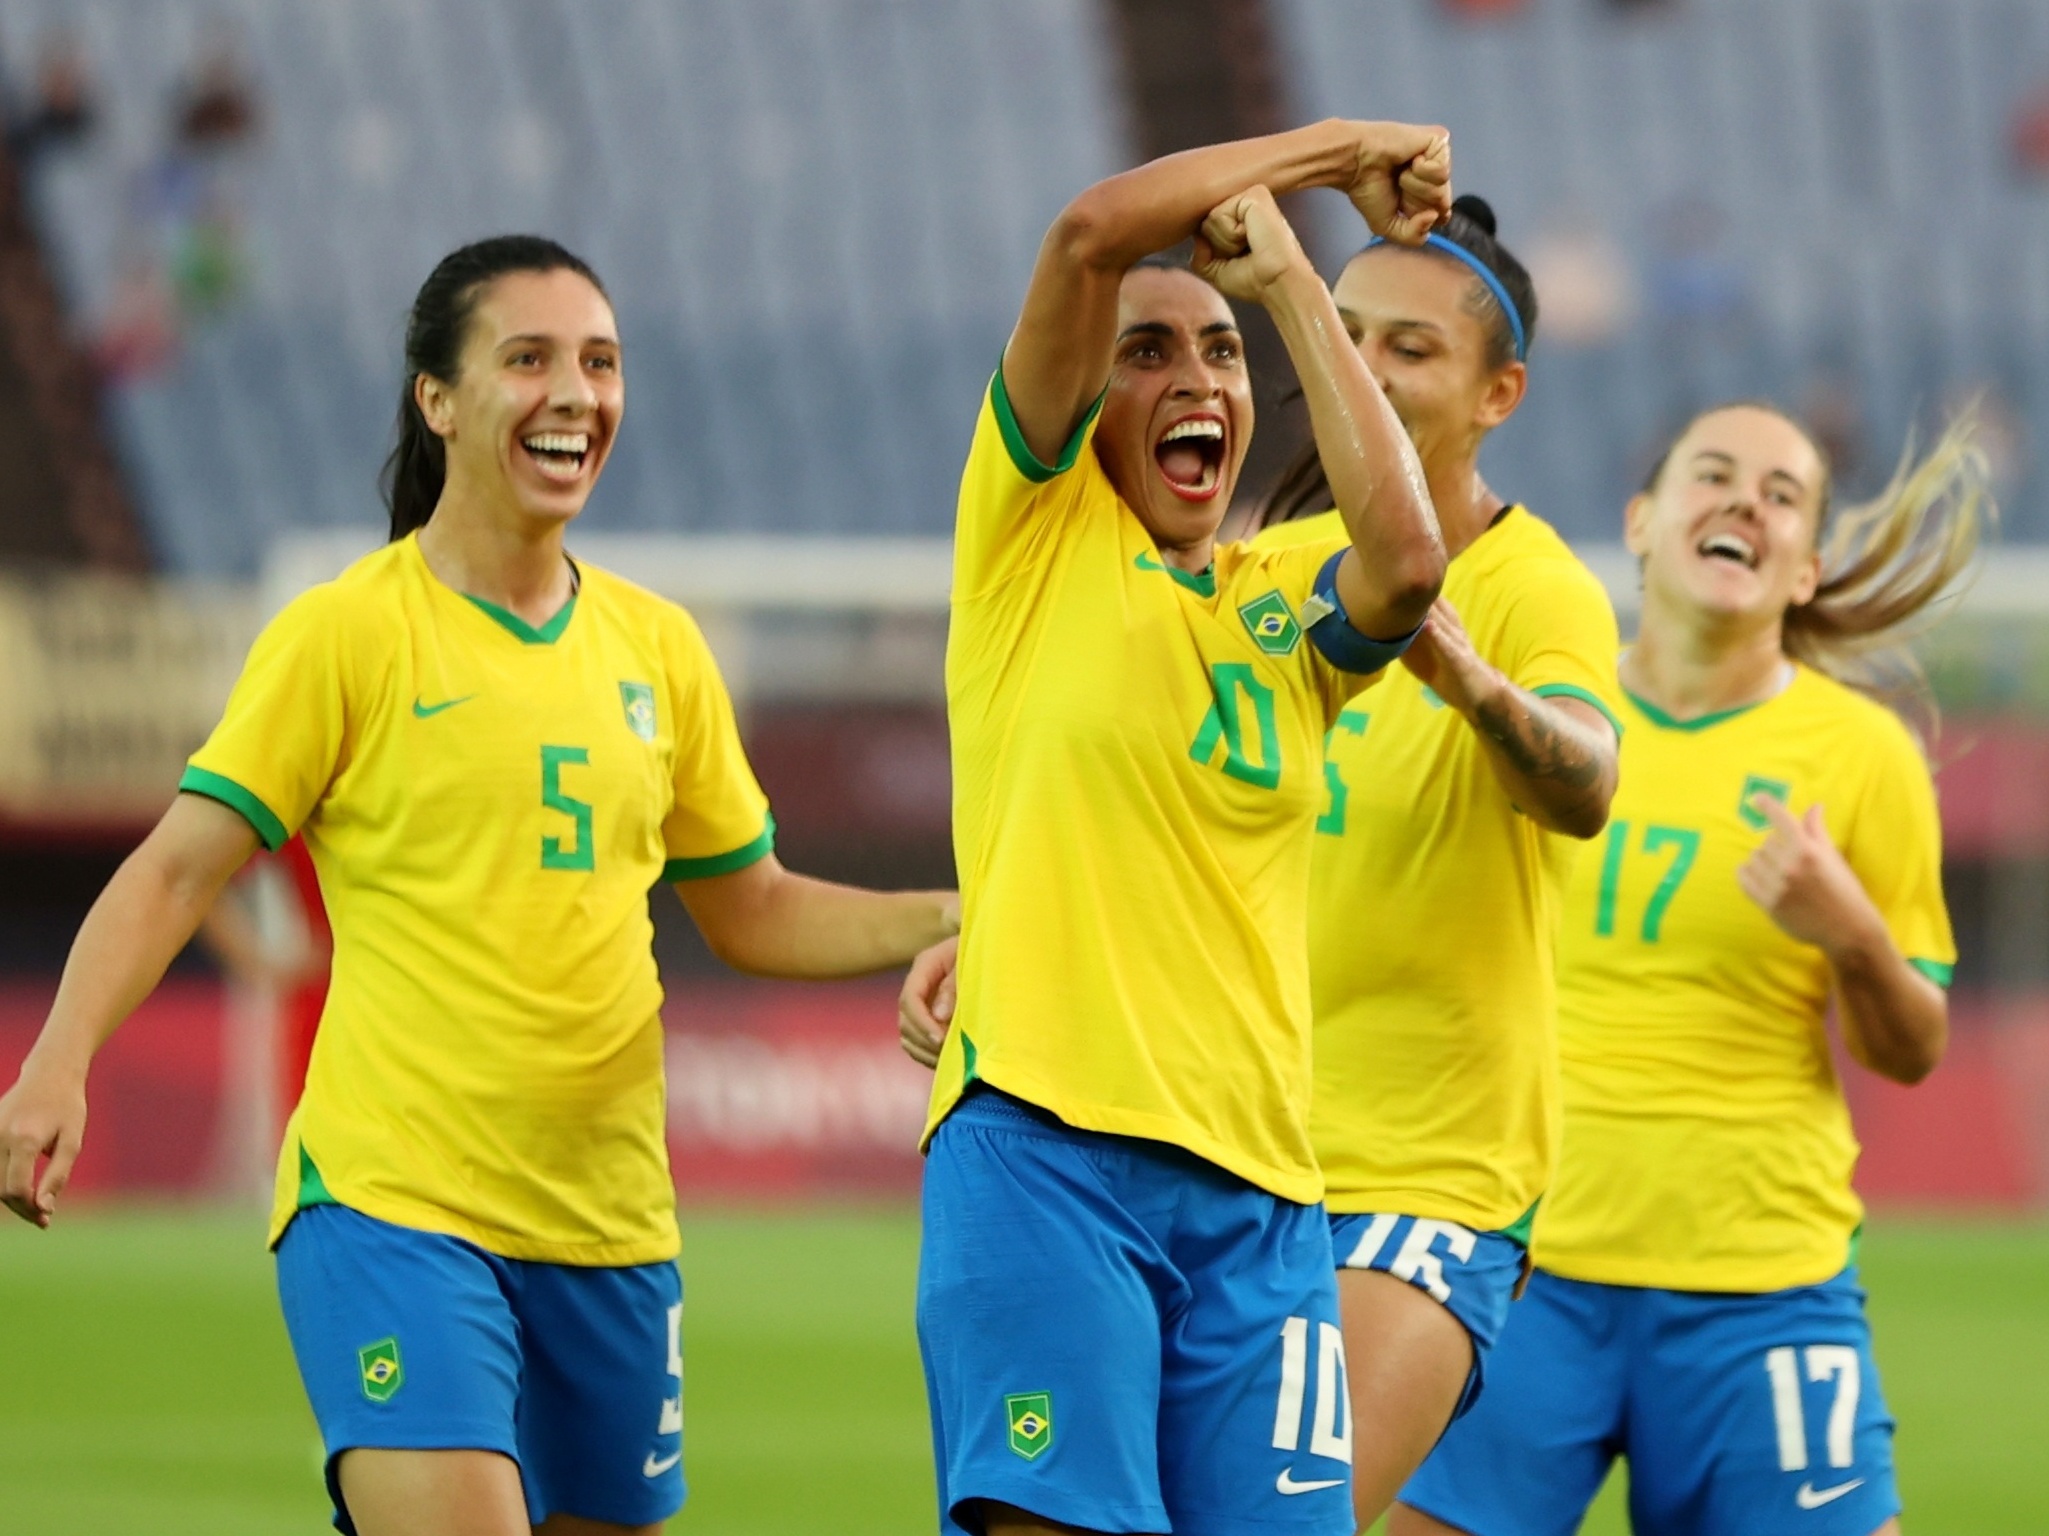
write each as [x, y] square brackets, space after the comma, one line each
[1707, 1146]
[1436, 1045]
[1138, 759]
[487, 805]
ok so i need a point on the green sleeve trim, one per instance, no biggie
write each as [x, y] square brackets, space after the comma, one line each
[524, 632]
[1570, 691]
[197, 781]
[1021, 456]
[722, 863]
[312, 1187]
[1935, 971]
[1518, 1231]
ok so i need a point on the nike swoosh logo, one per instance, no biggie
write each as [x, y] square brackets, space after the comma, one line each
[655, 1466]
[1809, 1498]
[1286, 1483]
[423, 711]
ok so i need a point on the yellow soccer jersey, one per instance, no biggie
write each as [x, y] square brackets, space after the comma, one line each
[1707, 1146]
[1137, 763]
[488, 805]
[1436, 1047]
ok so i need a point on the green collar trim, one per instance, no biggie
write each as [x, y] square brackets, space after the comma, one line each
[1658, 717]
[1202, 584]
[524, 632]
[1022, 458]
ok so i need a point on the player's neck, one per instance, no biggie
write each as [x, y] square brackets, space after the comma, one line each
[516, 563]
[1688, 674]
[1466, 508]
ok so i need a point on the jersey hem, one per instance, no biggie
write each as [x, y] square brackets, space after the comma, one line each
[1434, 1206]
[1732, 1280]
[1298, 1189]
[506, 1245]
[1574, 691]
[722, 863]
[1022, 459]
[213, 786]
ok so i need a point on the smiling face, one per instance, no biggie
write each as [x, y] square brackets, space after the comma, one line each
[531, 415]
[1727, 530]
[1177, 417]
[1424, 325]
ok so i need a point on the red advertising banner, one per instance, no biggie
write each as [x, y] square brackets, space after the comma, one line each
[781, 1091]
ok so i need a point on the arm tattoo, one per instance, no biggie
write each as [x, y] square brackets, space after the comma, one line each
[1535, 745]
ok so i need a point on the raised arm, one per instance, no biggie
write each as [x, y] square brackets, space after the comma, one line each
[146, 914]
[1396, 564]
[1058, 358]
[1895, 1020]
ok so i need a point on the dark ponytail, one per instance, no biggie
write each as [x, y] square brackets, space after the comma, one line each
[435, 331]
[1302, 489]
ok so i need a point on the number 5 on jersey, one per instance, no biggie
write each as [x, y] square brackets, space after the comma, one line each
[556, 853]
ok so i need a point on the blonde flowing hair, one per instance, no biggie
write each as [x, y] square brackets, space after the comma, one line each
[1890, 567]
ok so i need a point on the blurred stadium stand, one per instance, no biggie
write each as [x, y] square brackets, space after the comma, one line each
[1810, 200]
[816, 220]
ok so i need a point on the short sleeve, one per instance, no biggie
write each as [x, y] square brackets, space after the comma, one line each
[719, 820]
[1011, 503]
[1894, 843]
[1561, 640]
[284, 732]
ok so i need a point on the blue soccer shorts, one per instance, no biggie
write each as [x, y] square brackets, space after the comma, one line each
[1740, 1415]
[1121, 1336]
[1472, 1275]
[413, 1340]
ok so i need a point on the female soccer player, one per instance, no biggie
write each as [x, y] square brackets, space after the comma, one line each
[1775, 842]
[1457, 796]
[494, 753]
[1126, 1302]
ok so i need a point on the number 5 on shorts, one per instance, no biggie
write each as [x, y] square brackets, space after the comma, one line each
[1823, 1361]
[1332, 1400]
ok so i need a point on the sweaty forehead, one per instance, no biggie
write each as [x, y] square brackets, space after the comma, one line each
[1390, 284]
[1164, 296]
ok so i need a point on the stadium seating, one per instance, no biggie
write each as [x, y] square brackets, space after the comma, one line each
[817, 217]
[1785, 236]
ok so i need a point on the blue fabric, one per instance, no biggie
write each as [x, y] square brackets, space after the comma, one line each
[1330, 630]
[1177, 1326]
[566, 1370]
[1473, 1275]
[1486, 275]
[1686, 1386]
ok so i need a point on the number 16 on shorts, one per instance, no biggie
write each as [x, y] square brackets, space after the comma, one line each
[1330, 1425]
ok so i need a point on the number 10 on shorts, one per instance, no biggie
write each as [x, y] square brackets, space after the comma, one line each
[1330, 1431]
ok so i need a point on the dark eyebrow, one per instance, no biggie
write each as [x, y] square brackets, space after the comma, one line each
[1161, 328]
[530, 338]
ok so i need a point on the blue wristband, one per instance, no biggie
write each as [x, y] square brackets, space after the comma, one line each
[1330, 630]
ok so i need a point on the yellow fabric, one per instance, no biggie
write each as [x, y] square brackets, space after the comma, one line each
[1434, 908]
[1136, 769]
[487, 815]
[1707, 1146]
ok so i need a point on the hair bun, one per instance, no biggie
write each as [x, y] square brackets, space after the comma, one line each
[1477, 209]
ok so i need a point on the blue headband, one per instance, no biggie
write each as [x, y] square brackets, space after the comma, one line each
[1453, 248]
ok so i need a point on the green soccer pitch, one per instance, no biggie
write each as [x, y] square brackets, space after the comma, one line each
[146, 1386]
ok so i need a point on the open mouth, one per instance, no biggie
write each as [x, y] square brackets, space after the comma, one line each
[1731, 547]
[560, 455]
[1190, 454]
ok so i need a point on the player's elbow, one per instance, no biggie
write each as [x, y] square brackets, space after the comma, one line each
[1909, 1058]
[1408, 584]
[1084, 234]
